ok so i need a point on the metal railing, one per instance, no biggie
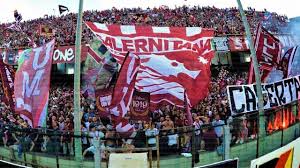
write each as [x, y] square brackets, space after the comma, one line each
[185, 146]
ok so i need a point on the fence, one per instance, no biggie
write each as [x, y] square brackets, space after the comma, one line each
[179, 147]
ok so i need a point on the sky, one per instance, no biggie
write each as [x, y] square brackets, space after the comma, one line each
[31, 9]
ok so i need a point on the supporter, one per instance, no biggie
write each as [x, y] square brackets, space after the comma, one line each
[110, 135]
[151, 132]
[210, 138]
[218, 127]
[168, 124]
[93, 135]
[67, 138]
[197, 124]
[84, 132]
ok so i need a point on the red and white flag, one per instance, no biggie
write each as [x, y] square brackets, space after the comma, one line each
[173, 59]
[188, 109]
[122, 94]
[268, 50]
[32, 83]
[7, 76]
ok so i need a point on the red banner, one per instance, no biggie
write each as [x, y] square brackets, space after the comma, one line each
[238, 43]
[268, 52]
[32, 84]
[103, 101]
[173, 59]
[7, 75]
[140, 105]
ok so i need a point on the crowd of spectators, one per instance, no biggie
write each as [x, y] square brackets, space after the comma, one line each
[167, 121]
[224, 21]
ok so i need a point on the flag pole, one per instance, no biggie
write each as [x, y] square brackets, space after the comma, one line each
[77, 116]
[261, 123]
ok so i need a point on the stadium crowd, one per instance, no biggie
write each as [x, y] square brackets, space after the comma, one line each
[224, 21]
[213, 111]
[168, 121]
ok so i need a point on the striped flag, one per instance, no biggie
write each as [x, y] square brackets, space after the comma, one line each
[122, 94]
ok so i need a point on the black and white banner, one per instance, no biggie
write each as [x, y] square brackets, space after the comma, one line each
[243, 98]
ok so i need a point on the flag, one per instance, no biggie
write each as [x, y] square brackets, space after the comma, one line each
[62, 9]
[45, 30]
[173, 59]
[287, 61]
[98, 70]
[32, 83]
[7, 75]
[187, 105]
[268, 50]
[122, 94]
[15, 27]
[18, 16]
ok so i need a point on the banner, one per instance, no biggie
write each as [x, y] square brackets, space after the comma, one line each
[103, 102]
[173, 59]
[221, 43]
[32, 83]
[7, 75]
[66, 54]
[230, 163]
[140, 106]
[243, 98]
[268, 51]
[238, 43]
[9, 55]
[128, 160]
[284, 157]
[62, 54]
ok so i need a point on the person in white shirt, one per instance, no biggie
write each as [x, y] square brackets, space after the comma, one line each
[93, 134]
[218, 126]
[151, 132]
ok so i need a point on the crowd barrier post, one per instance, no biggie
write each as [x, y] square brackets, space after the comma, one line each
[97, 155]
[157, 152]
[227, 139]
[193, 147]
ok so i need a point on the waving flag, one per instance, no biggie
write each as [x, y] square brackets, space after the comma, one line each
[32, 84]
[187, 105]
[287, 61]
[268, 52]
[173, 59]
[123, 91]
[7, 76]
[62, 9]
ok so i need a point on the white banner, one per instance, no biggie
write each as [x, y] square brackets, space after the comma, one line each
[243, 98]
[221, 43]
